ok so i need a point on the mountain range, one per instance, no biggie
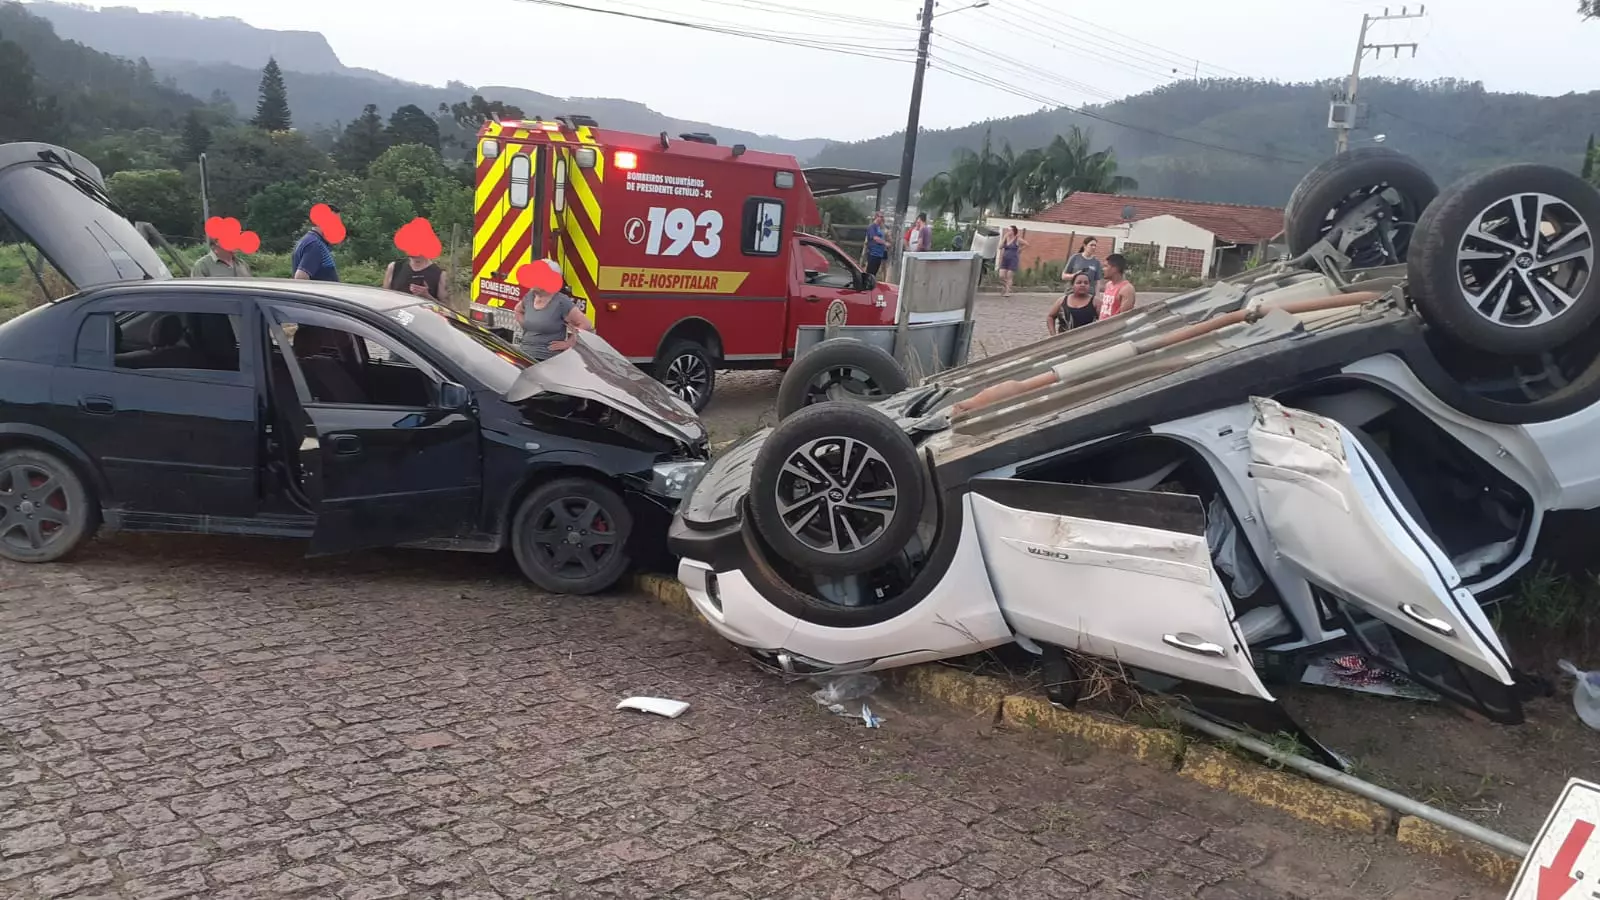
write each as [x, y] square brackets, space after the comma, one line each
[1231, 141]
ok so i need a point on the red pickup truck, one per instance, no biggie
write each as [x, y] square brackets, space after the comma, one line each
[686, 255]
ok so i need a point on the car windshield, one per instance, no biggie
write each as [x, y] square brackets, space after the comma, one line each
[66, 217]
[490, 360]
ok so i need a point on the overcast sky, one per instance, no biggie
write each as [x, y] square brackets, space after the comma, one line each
[1060, 51]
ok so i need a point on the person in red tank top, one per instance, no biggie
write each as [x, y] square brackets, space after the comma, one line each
[1117, 294]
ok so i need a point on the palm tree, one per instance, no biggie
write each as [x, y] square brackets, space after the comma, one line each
[1022, 185]
[940, 195]
[1071, 164]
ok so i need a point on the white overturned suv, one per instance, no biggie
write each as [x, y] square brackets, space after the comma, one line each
[1358, 444]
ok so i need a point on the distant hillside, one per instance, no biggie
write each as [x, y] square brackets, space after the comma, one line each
[1452, 127]
[92, 92]
[203, 55]
[126, 31]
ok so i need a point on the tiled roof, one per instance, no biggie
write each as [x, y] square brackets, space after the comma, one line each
[1229, 222]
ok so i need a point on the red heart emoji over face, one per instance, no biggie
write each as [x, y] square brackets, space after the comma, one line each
[332, 226]
[221, 230]
[543, 276]
[416, 238]
[249, 242]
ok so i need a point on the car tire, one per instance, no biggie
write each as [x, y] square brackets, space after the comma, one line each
[1455, 276]
[551, 542]
[45, 510]
[688, 370]
[1335, 185]
[839, 369]
[883, 485]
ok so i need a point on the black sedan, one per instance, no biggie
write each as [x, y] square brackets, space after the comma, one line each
[350, 416]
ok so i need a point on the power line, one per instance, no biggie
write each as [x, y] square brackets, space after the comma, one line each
[1171, 57]
[960, 71]
[819, 42]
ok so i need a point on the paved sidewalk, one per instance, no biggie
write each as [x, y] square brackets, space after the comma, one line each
[221, 719]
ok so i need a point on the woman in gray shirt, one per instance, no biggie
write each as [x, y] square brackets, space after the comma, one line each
[547, 321]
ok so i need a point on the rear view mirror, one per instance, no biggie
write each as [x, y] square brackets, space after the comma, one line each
[453, 396]
[868, 282]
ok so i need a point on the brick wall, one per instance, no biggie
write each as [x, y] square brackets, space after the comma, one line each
[1187, 260]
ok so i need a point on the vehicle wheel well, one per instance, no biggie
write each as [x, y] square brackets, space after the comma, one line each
[90, 479]
[698, 330]
[545, 476]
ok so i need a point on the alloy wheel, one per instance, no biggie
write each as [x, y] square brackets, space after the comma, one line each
[35, 509]
[574, 537]
[1525, 260]
[836, 494]
[689, 377]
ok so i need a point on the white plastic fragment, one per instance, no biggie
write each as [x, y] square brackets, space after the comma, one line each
[662, 707]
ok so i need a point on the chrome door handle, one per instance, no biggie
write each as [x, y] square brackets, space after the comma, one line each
[1191, 644]
[1432, 623]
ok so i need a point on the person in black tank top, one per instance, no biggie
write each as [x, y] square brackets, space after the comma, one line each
[1075, 309]
[420, 276]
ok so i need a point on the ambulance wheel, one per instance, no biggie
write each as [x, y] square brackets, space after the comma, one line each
[689, 372]
[840, 369]
[837, 489]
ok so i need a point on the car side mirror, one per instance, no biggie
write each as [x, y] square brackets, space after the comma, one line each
[453, 396]
[868, 282]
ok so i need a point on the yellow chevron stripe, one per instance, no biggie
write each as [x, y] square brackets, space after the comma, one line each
[578, 185]
[585, 134]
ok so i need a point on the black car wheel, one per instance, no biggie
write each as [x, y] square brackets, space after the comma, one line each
[45, 512]
[571, 536]
[839, 369]
[1504, 260]
[688, 371]
[837, 489]
[1371, 196]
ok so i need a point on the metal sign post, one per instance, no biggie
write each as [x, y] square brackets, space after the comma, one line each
[1565, 859]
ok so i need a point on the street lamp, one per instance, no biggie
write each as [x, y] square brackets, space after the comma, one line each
[978, 4]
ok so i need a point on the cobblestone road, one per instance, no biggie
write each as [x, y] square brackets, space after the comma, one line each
[221, 719]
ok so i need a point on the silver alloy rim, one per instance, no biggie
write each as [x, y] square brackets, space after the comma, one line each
[688, 377]
[34, 508]
[842, 383]
[1525, 260]
[836, 494]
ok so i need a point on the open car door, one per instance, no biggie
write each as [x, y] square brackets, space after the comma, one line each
[1123, 575]
[1351, 531]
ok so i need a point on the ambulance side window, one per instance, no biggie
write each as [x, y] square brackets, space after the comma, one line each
[521, 180]
[761, 229]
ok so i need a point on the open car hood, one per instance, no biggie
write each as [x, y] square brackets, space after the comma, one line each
[56, 199]
[594, 370]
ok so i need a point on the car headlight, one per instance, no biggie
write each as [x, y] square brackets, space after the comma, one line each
[673, 480]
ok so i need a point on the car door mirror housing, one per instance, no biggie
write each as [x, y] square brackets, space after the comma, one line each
[868, 282]
[454, 396]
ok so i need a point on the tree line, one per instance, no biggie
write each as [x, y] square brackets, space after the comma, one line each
[1023, 183]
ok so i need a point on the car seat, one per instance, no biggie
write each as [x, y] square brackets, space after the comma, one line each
[317, 351]
[166, 351]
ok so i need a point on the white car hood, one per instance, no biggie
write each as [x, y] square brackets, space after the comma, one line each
[593, 370]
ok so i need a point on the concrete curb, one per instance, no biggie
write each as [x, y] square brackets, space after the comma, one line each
[1205, 764]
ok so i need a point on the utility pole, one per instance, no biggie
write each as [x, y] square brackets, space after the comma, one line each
[908, 156]
[1342, 111]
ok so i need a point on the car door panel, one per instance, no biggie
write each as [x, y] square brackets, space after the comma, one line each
[1124, 575]
[169, 441]
[380, 474]
[1332, 515]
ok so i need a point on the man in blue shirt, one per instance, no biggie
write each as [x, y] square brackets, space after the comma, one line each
[877, 244]
[313, 258]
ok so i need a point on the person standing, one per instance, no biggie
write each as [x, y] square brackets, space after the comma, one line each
[877, 245]
[1084, 261]
[1117, 297]
[219, 263]
[921, 235]
[313, 258]
[549, 319]
[420, 276]
[1010, 257]
[1075, 309]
